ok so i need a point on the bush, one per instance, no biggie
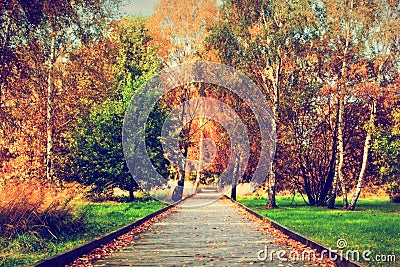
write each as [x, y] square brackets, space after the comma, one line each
[395, 198]
[38, 208]
[394, 191]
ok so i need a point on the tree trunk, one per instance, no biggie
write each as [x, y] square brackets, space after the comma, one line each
[367, 144]
[49, 113]
[331, 179]
[341, 103]
[364, 164]
[307, 186]
[334, 165]
[235, 178]
[340, 177]
[332, 197]
[200, 162]
[6, 41]
[271, 202]
[178, 191]
[131, 195]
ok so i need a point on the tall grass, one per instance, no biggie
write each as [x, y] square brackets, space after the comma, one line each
[39, 220]
[38, 208]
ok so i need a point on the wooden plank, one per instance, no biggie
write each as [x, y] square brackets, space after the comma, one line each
[69, 256]
[214, 233]
[340, 261]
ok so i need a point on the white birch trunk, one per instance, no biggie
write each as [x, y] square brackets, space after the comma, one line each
[364, 164]
[200, 160]
[49, 112]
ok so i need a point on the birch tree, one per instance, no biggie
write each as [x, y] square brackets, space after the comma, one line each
[179, 27]
[48, 31]
[258, 38]
[383, 43]
[345, 26]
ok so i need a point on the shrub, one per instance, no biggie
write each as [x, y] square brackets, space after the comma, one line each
[394, 191]
[38, 208]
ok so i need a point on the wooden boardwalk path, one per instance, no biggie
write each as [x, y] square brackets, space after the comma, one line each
[206, 231]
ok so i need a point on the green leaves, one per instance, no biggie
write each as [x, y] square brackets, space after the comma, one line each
[96, 156]
[386, 149]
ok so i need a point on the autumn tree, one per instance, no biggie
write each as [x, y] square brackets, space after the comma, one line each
[42, 34]
[386, 151]
[258, 38]
[95, 156]
[382, 41]
[345, 23]
[179, 27]
[304, 162]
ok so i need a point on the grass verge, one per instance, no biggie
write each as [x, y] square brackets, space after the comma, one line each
[374, 226]
[102, 218]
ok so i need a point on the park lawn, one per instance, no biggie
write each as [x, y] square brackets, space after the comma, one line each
[102, 218]
[374, 226]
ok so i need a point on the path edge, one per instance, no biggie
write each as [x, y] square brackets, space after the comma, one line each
[340, 261]
[69, 256]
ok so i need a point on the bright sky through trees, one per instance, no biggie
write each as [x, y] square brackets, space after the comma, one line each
[142, 7]
[138, 7]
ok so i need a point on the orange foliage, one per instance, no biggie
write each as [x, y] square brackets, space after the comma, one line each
[36, 207]
[179, 27]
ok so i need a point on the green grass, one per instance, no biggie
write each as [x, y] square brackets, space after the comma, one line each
[375, 225]
[102, 218]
